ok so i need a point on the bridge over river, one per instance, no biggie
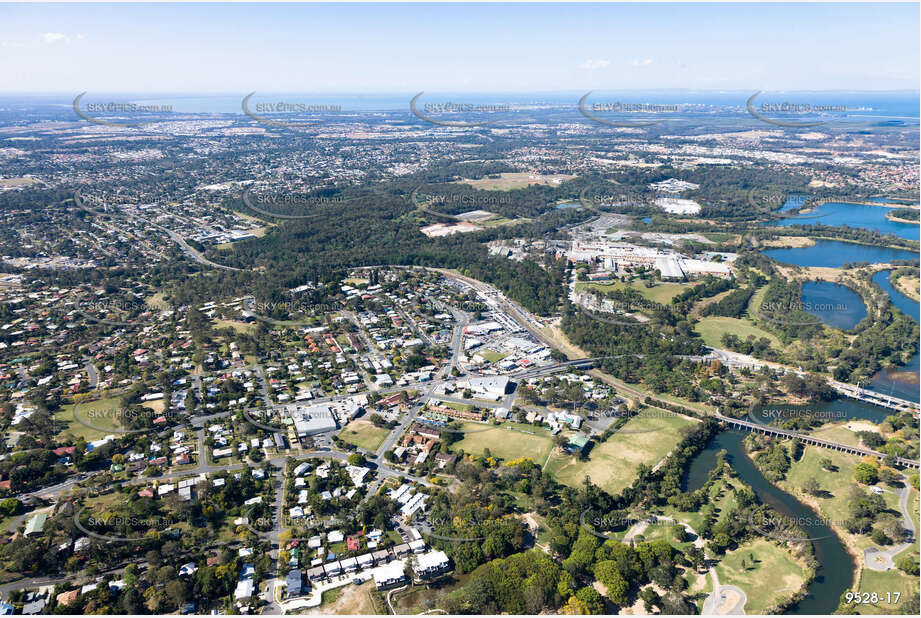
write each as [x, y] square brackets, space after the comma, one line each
[807, 439]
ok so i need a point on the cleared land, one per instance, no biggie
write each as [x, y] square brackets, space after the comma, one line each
[492, 356]
[241, 327]
[364, 434]
[515, 180]
[100, 413]
[711, 330]
[16, 183]
[909, 286]
[507, 441]
[612, 465]
[789, 241]
[661, 293]
[772, 575]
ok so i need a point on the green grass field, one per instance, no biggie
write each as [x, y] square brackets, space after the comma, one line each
[492, 356]
[882, 582]
[711, 330]
[460, 407]
[613, 464]
[505, 443]
[665, 530]
[364, 434]
[100, 413]
[833, 505]
[772, 576]
[660, 293]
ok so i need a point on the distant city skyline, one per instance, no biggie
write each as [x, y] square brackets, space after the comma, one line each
[509, 48]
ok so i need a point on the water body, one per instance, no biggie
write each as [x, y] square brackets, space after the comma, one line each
[566, 205]
[836, 567]
[792, 203]
[901, 382]
[853, 215]
[834, 254]
[842, 409]
[836, 305]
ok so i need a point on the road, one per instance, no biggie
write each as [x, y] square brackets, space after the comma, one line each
[877, 559]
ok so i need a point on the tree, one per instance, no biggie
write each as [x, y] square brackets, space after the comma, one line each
[811, 487]
[908, 565]
[10, 506]
[356, 459]
[650, 598]
[591, 600]
[608, 574]
[866, 473]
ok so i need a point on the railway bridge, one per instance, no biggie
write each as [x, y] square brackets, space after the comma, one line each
[812, 440]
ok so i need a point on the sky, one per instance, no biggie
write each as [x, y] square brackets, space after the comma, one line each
[390, 48]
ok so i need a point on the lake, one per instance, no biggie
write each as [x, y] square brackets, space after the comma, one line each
[852, 215]
[834, 254]
[836, 305]
[901, 382]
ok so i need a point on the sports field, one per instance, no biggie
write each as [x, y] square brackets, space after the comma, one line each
[612, 465]
[711, 330]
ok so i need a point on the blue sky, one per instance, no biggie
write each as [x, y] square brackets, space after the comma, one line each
[234, 48]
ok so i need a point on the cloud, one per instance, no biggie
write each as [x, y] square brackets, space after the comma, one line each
[55, 37]
[641, 63]
[11, 45]
[591, 65]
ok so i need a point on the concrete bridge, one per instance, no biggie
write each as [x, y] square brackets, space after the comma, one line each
[811, 440]
[877, 399]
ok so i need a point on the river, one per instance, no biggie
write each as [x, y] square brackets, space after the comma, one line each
[836, 566]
